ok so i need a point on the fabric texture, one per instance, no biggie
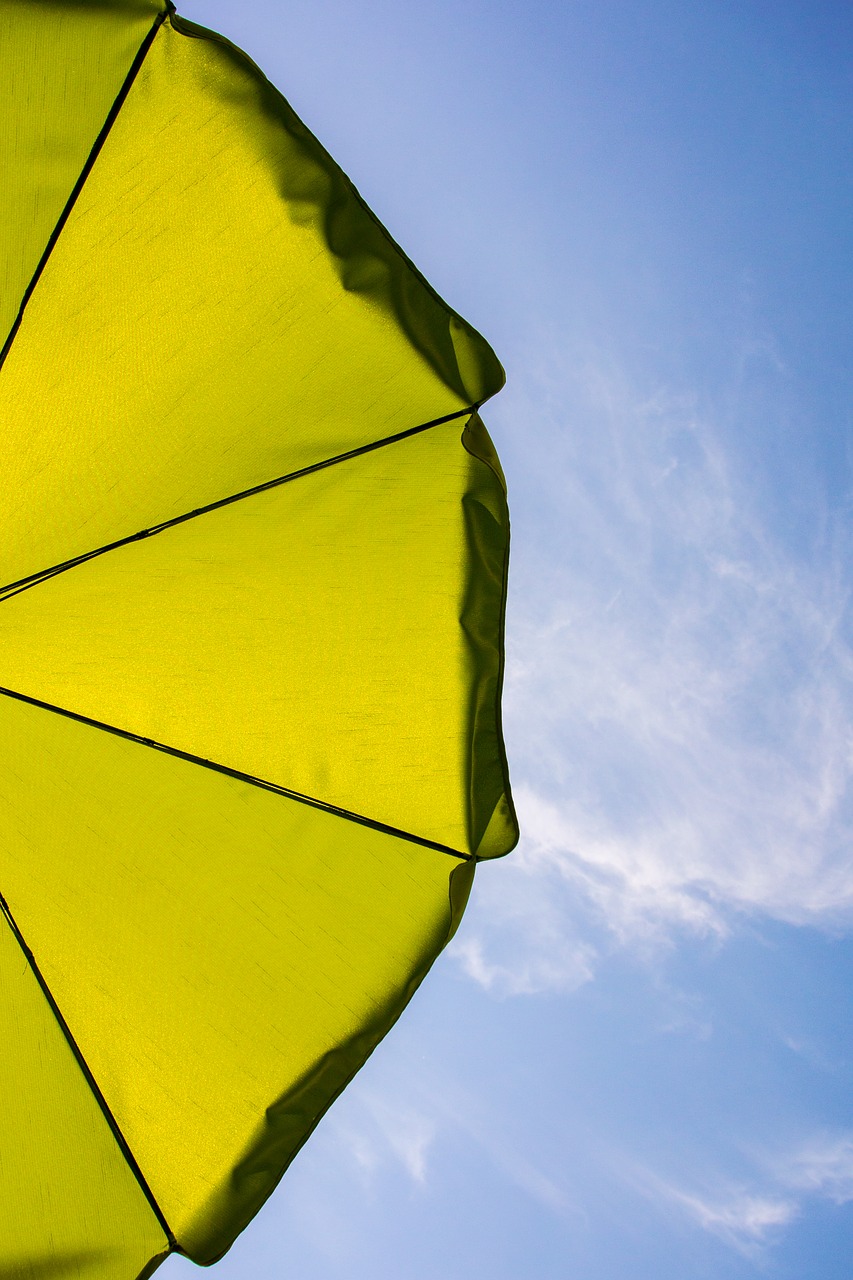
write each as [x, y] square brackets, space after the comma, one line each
[252, 587]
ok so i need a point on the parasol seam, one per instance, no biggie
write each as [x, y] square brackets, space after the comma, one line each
[225, 769]
[113, 1124]
[24, 584]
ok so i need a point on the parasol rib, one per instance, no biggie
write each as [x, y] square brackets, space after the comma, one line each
[263, 783]
[112, 116]
[24, 584]
[87, 1072]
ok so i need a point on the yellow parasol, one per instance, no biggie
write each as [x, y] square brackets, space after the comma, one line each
[254, 545]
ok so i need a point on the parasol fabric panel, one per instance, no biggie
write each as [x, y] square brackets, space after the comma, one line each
[69, 1202]
[62, 65]
[219, 310]
[226, 958]
[338, 598]
[253, 548]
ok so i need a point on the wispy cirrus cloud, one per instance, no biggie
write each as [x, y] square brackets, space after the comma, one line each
[744, 1219]
[679, 698]
[750, 1213]
[821, 1166]
[410, 1117]
[388, 1131]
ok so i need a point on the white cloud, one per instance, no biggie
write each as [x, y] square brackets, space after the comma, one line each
[518, 937]
[741, 1218]
[679, 703]
[411, 1117]
[389, 1131]
[748, 1215]
[823, 1166]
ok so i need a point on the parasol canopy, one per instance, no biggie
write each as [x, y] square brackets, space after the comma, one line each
[254, 550]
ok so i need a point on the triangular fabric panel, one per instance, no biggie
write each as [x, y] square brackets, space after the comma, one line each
[357, 605]
[225, 958]
[61, 66]
[69, 1203]
[220, 309]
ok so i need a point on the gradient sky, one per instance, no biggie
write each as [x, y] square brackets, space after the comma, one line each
[635, 1062]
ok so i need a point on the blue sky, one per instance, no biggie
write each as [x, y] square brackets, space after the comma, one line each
[636, 1059]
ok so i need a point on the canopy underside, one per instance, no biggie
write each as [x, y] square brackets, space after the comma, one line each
[254, 545]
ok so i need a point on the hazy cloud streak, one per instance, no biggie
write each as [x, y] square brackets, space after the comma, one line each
[678, 694]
